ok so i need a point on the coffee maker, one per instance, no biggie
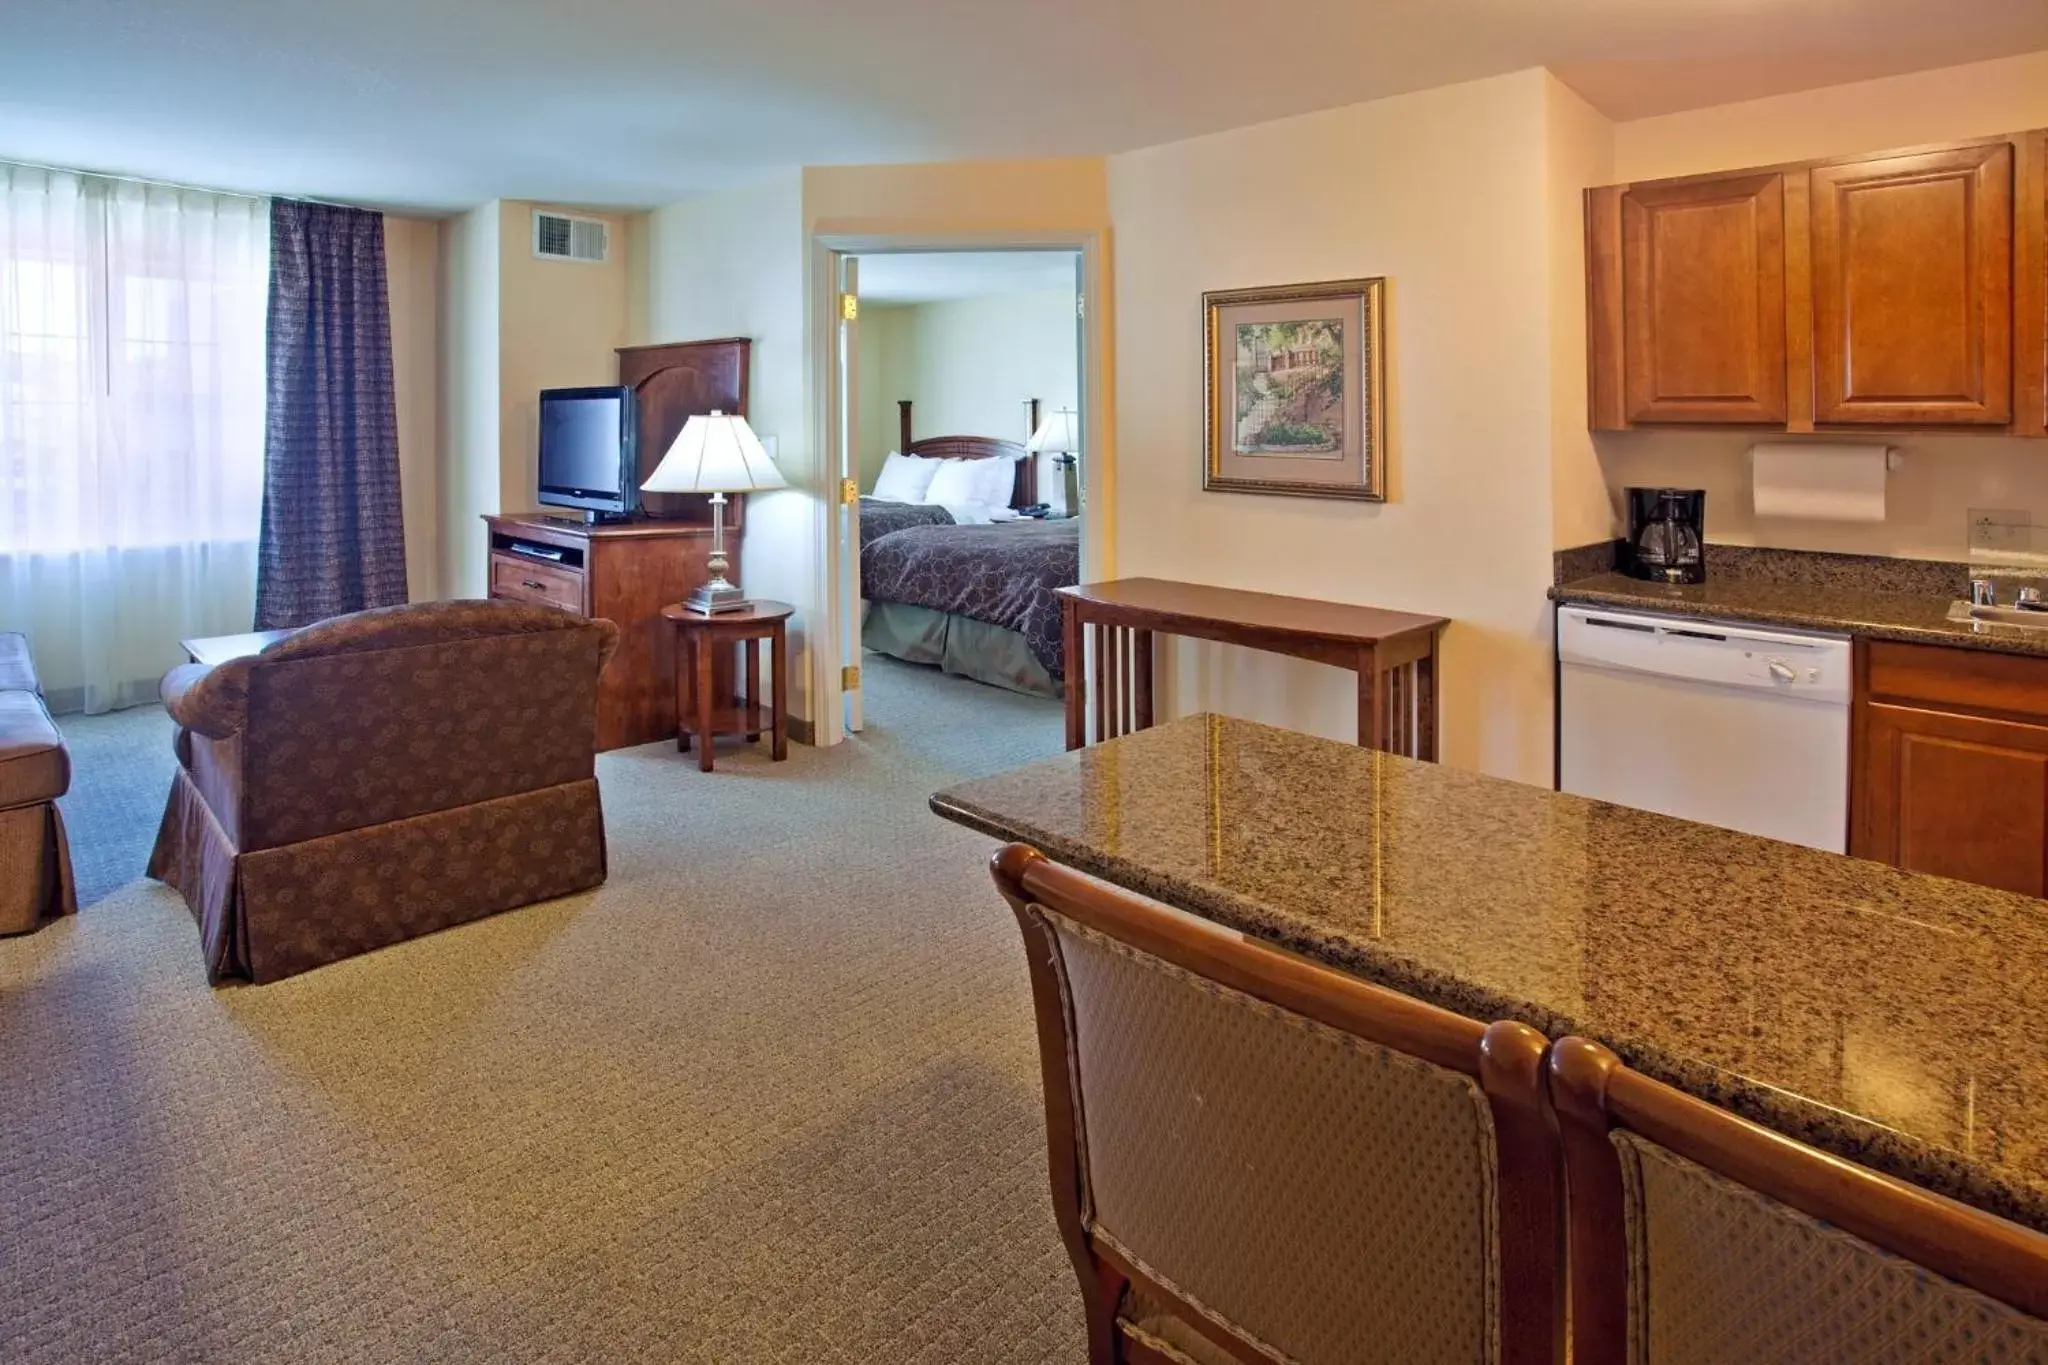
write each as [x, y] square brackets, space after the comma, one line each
[1667, 531]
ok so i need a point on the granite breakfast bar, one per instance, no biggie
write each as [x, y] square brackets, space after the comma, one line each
[1894, 1019]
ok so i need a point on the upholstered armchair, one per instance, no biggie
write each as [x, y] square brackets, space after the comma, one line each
[382, 775]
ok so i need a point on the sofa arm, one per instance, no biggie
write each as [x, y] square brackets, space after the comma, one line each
[214, 700]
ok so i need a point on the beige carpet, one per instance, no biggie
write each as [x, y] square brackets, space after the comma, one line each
[768, 1095]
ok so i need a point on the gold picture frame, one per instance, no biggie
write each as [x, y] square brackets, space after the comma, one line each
[1294, 385]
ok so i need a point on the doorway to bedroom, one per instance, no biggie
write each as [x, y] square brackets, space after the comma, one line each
[961, 387]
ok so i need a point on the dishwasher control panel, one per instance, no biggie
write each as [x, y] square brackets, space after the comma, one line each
[1707, 652]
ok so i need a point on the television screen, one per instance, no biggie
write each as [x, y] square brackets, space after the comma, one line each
[588, 455]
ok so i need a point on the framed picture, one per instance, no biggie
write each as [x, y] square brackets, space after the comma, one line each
[1295, 378]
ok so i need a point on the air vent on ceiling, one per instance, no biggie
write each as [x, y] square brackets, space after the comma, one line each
[559, 237]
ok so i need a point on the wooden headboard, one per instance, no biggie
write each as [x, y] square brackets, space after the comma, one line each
[1023, 494]
[674, 382]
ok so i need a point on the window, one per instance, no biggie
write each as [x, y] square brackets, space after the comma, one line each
[131, 364]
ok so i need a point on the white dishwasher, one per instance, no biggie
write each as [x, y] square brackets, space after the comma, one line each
[1740, 726]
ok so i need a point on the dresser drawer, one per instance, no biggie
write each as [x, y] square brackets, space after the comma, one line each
[522, 580]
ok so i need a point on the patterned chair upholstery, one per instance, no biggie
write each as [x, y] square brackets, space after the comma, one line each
[382, 775]
[35, 769]
[1787, 1255]
[1258, 1159]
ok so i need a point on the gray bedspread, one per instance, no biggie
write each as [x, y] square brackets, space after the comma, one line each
[880, 518]
[1003, 574]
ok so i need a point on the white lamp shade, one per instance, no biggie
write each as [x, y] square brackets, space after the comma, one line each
[715, 453]
[1058, 434]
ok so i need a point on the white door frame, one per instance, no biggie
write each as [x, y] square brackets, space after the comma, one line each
[827, 248]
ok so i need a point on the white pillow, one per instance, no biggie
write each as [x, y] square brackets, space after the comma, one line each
[904, 478]
[961, 481]
[1001, 482]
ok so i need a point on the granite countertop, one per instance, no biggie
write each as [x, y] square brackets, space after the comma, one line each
[1896, 1019]
[1841, 608]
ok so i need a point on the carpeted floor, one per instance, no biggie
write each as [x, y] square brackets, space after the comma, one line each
[768, 1095]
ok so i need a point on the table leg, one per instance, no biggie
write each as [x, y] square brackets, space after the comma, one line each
[1077, 688]
[1369, 733]
[685, 652]
[1141, 646]
[753, 693]
[779, 670]
[702, 658]
[1426, 682]
[1101, 633]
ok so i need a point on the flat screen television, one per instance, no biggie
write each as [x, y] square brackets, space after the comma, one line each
[590, 450]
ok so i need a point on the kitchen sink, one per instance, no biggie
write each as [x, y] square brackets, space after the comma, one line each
[2021, 617]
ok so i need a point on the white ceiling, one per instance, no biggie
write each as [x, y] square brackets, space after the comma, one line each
[439, 104]
[936, 276]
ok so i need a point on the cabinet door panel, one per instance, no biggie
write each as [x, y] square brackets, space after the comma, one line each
[1957, 796]
[1704, 300]
[1912, 288]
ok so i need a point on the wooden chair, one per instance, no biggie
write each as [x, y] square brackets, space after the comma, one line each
[1255, 1158]
[1697, 1236]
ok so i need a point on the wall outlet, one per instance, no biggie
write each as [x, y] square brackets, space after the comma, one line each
[2001, 531]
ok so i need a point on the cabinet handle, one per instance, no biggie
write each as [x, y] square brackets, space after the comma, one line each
[531, 583]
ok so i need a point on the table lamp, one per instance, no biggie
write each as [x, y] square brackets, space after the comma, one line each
[1059, 436]
[717, 454]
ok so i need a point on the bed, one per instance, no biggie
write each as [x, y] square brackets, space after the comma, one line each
[975, 600]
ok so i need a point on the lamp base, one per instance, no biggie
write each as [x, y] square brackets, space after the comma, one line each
[716, 596]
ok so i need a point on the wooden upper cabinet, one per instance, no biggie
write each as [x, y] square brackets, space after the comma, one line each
[1906, 289]
[1703, 310]
[1913, 288]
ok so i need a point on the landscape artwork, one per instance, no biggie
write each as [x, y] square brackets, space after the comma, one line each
[1290, 388]
[1295, 383]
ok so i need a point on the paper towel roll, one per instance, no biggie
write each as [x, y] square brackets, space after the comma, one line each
[1818, 482]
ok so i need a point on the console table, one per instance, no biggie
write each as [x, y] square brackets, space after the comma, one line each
[625, 573]
[1393, 653]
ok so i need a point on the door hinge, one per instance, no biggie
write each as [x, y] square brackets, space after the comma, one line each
[1080, 305]
[849, 492]
[849, 306]
[849, 678]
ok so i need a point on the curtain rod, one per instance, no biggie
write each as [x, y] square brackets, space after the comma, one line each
[175, 185]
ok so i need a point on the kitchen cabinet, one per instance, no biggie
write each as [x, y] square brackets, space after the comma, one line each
[1703, 312]
[1950, 764]
[1904, 290]
[1912, 288]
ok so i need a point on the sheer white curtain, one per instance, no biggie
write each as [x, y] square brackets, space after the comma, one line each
[131, 424]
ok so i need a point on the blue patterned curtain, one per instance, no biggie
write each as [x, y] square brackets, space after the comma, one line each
[333, 537]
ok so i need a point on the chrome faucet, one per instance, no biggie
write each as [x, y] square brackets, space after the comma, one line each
[1983, 593]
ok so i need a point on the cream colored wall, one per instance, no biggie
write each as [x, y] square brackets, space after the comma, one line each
[1446, 193]
[967, 365]
[731, 263]
[1578, 151]
[468, 485]
[958, 196]
[559, 324]
[1953, 102]
[883, 332]
[1944, 476]
[412, 258]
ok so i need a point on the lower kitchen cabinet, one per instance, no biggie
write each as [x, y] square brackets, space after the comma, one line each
[1950, 764]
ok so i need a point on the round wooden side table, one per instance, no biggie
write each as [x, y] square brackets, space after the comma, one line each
[699, 635]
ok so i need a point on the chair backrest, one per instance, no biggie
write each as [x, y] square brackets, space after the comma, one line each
[1698, 1236]
[402, 711]
[1258, 1158]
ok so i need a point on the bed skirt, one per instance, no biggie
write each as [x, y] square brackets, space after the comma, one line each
[960, 645]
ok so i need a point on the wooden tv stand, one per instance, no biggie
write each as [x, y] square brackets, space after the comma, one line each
[625, 573]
